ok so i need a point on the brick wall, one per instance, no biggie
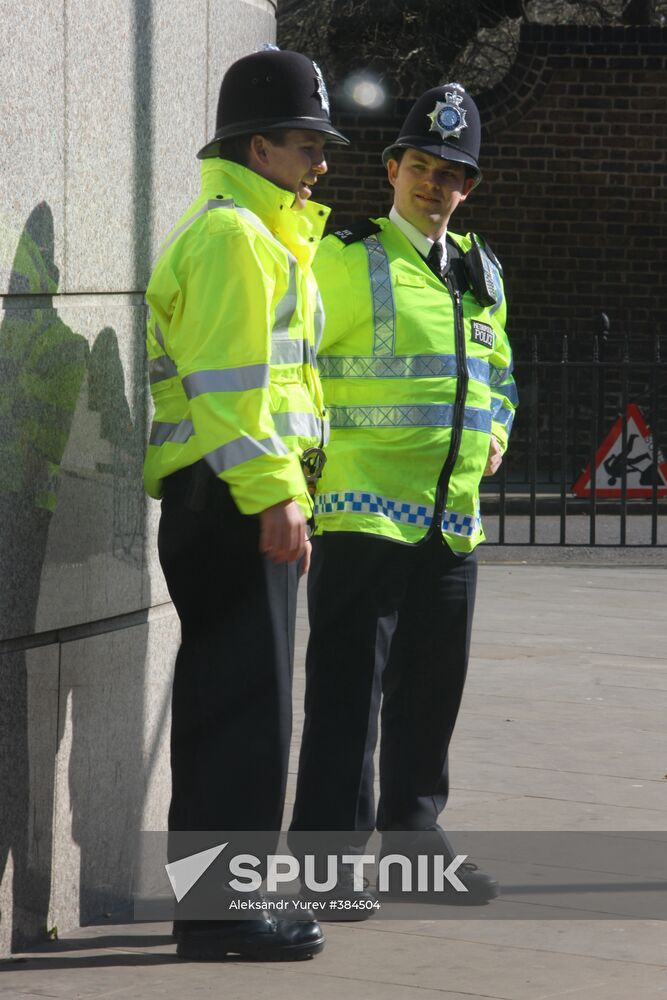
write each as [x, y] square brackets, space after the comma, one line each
[575, 171]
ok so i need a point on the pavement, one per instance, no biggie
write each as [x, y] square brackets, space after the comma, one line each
[562, 729]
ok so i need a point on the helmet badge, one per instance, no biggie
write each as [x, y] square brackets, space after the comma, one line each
[321, 89]
[448, 117]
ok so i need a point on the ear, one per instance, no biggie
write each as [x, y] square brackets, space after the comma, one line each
[392, 171]
[258, 149]
[468, 185]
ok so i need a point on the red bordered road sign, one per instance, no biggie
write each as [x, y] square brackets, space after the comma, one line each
[637, 460]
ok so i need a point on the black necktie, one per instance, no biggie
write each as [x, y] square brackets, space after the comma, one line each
[434, 259]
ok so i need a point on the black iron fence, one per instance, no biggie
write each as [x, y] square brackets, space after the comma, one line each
[585, 466]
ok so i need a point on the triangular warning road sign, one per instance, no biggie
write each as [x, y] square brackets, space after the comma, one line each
[636, 459]
[185, 872]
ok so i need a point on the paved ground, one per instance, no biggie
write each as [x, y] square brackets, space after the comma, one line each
[562, 728]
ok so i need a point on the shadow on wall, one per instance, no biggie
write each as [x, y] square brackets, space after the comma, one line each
[65, 711]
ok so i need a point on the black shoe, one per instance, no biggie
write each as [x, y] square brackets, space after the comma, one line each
[342, 902]
[481, 889]
[265, 939]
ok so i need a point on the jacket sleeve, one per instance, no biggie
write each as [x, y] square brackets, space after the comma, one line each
[504, 397]
[334, 283]
[219, 338]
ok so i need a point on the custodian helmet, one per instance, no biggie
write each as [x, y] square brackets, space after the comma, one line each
[443, 122]
[271, 89]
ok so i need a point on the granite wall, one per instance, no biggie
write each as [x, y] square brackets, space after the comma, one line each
[104, 104]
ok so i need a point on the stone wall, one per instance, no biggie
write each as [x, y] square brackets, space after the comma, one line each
[105, 103]
[575, 172]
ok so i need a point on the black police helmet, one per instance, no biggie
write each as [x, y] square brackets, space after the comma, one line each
[271, 89]
[443, 122]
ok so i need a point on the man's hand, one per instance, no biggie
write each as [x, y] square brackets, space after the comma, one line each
[495, 458]
[305, 565]
[282, 535]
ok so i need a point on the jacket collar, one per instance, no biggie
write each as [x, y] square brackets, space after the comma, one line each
[299, 231]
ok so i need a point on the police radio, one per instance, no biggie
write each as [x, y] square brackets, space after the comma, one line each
[480, 264]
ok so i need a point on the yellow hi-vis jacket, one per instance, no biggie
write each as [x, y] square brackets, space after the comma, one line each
[416, 378]
[234, 314]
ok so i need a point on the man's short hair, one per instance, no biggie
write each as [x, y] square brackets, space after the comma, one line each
[237, 149]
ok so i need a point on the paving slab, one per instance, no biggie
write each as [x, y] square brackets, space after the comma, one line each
[562, 728]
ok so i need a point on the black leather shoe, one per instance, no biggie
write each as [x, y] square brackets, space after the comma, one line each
[481, 889]
[342, 902]
[265, 939]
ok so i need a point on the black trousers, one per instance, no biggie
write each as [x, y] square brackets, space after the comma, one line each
[387, 622]
[231, 704]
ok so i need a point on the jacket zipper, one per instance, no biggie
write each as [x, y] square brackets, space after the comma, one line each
[459, 407]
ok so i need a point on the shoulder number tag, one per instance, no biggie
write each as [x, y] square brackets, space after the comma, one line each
[483, 334]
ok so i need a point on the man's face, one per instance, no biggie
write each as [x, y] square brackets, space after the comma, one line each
[296, 165]
[427, 190]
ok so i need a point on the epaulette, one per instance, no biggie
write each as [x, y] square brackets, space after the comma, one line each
[358, 231]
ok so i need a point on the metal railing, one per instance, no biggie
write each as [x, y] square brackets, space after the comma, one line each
[576, 397]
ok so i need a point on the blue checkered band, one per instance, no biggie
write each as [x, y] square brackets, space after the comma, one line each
[420, 515]
[428, 415]
[401, 366]
[384, 309]
[460, 524]
[371, 503]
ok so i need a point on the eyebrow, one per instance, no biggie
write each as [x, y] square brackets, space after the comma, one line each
[446, 164]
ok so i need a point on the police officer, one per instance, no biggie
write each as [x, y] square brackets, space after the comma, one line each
[416, 369]
[233, 312]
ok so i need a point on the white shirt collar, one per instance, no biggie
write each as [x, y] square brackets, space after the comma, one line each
[421, 243]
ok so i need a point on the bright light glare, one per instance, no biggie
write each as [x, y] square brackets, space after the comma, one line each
[368, 94]
[365, 92]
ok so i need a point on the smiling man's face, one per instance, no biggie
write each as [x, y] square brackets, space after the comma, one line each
[427, 190]
[295, 164]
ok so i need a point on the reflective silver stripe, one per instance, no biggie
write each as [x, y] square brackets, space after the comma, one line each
[499, 375]
[501, 414]
[206, 207]
[508, 390]
[286, 307]
[408, 416]
[289, 352]
[401, 366]
[318, 321]
[161, 432]
[384, 309]
[160, 369]
[255, 221]
[243, 449]
[298, 424]
[226, 380]
[293, 352]
[159, 337]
